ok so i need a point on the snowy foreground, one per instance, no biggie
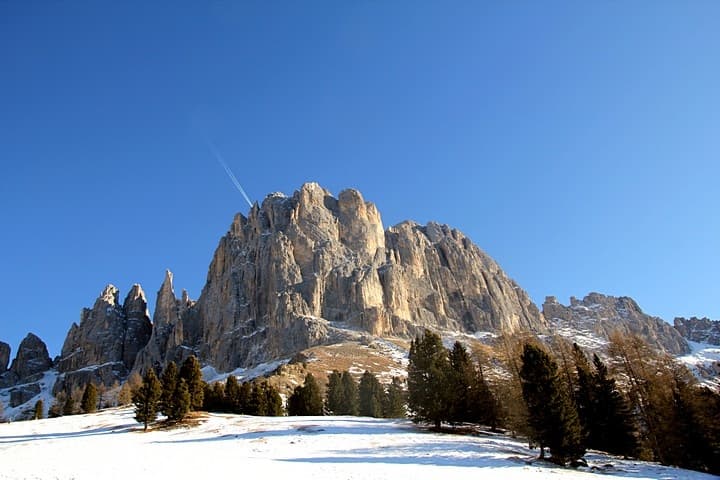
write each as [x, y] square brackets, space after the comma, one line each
[111, 444]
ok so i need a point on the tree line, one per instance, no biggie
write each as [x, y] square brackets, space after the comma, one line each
[568, 402]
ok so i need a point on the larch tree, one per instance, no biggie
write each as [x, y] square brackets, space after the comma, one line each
[39, 410]
[89, 401]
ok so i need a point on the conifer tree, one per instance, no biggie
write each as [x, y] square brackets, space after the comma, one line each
[306, 399]
[169, 382]
[232, 394]
[190, 372]
[334, 394]
[125, 394]
[462, 379]
[179, 407]
[39, 410]
[147, 399]
[69, 406]
[394, 401]
[553, 419]
[350, 394]
[245, 400]
[427, 379]
[258, 405]
[371, 396]
[88, 404]
[273, 401]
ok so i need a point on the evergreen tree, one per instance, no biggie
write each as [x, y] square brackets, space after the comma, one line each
[484, 406]
[371, 396]
[334, 394]
[69, 406]
[427, 379]
[257, 401]
[612, 427]
[88, 404]
[350, 395]
[39, 410]
[306, 399]
[245, 399]
[147, 398]
[179, 407]
[552, 416]
[462, 379]
[394, 401]
[273, 401]
[169, 382]
[232, 394]
[190, 372]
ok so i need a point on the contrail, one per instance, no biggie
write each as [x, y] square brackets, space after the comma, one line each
[228, 171]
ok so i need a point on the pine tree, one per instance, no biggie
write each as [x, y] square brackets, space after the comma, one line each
[39, 410]
[88, 404]
[306, 399]
[334, 394]
[427, 379]
[273, 401]
[69, 406]
[147, 399]
[553, 419]
[232, 394]
[350, 394]
[462, 380]
[370, 394]
[245, 401]
[258, 406]
[395, 399]
[169, 382]
[190, 372]
[179, 407]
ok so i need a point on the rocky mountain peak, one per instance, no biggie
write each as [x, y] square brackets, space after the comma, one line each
[284, 275]
[702, 330]
[601, 315]
[32, 358]
[4, 356]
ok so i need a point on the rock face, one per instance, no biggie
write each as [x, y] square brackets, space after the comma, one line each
[296, 267]
[31, 360]
[4, 356]
[602, 315]
[103, 347]
[166, 341]
[701, 330]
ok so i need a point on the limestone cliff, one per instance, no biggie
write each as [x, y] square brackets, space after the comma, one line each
[701, 330]
[4, 356]
[601, 315]
[102, 348]
[284, 276]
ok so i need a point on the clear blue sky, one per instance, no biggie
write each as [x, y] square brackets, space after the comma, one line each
[578, 143]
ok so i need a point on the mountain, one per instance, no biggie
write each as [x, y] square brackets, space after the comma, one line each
[317, 278]
[597, 316]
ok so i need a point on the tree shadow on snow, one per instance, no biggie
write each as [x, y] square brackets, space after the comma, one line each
[7, 439]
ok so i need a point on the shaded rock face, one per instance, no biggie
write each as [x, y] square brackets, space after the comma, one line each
[166, 341]
[109, 337]
[32, 358]
[701, 330]
[4, 356]
[283, 277]
[602, 315]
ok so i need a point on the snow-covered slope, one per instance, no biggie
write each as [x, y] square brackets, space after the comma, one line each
[111, 445]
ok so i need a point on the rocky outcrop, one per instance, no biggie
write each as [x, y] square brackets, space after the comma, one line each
[297, 267]
[166, 341]
[104, 345]
[32, 358]
[4, 356]
[601, 315]
[702, 330]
